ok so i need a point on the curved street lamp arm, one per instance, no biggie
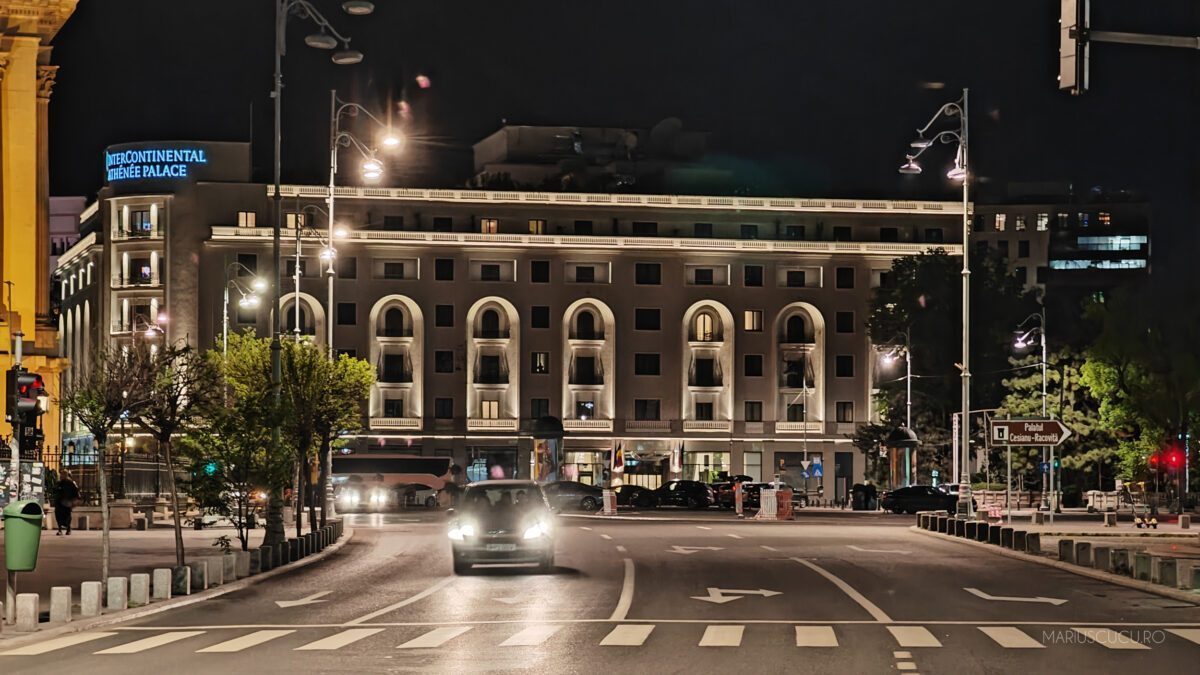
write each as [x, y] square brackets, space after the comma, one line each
[305, 10]
[345, 138]
[949, 110]
[357, 108]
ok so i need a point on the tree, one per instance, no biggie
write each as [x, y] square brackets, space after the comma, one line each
[99, 398]
[179, 386]
[348, 383]
[305, 381]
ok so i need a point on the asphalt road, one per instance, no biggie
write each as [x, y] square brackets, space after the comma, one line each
[825, 593]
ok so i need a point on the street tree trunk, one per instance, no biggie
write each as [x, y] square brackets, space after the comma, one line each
[322, 499]
[298, 496]
[165, 443]
[275, 533]
[311, 498]
[102, 473]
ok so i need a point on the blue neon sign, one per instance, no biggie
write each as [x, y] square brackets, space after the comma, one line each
[149, 164]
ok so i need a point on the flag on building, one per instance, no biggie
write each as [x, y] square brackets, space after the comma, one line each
[618, 462]
[677, 461]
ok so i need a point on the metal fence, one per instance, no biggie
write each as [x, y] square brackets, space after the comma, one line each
[136, 476]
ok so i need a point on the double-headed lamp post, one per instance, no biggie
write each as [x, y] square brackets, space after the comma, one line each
[960, 172]
[328, 256]
[250, 298]
[1024, 340]
[890, 358]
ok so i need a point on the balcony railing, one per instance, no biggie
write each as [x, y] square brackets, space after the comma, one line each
[481, 424]
[795, 381]
[705, 381]
[595, 335]
[707, 425]
[120, 282]
[647, 425]
[587, 379]
[136, 235]
[587, 425]
[395, 376]
[394, 333]
[491, 378]
[812, 427]
[401, 423]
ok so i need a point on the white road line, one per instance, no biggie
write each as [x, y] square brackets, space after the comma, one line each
[735, 536]
[815, 636]
[770, 548]
[435, 638]
[1189, 634]
[621, 549]
[532, 636]
[588, 529]
[906, 665]
[244, 642]
[626, 599]
[627, 635]
[403, 603]
[151, 642]
[703, 527]
[1011, 637]
[57, 643]
[902, 655]
[339, 640]
[872, 609]
[913, 636]
[605, 536]
[722, 636]
[1109, 638]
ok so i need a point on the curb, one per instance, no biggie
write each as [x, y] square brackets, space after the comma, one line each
[23, 639]
[1122, 535]
[732, 520]
[1144, 586]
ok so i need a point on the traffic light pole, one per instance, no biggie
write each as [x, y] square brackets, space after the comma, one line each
[14, 466]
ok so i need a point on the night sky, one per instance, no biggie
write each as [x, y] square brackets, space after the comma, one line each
[806, 97]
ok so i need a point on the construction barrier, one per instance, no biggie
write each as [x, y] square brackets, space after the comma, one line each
[610, 503]
[768, 508]
[783, 504]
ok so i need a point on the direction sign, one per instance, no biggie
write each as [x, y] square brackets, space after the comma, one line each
[818, 470]
[1045, 467]
[1029, 432]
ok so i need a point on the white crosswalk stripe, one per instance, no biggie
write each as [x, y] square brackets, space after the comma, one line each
[627, 635]
[815, 636]
[151, 642]
[244, 642]
[1110, 638]
[722, 636]
[435, 638]
[57, 643]
[1189, 634]
[1010, 637]
[531, 637]
[913, 636]
[339, 640]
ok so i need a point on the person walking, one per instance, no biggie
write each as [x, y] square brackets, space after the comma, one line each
[67, 498]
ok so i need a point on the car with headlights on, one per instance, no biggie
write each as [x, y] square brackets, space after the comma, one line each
[502, 521]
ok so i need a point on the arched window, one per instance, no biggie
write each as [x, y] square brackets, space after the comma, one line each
[305, 325]
[489, 324]
[585, 326]
[704, 328]
[393, 322]
[795, 330]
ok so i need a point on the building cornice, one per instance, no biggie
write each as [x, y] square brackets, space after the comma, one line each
[77, 250]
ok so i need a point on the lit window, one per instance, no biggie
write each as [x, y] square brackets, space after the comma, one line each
[1084, 219]
[1105, 218]
[1000, 218]
[704, 328]
[1019, 223]
[752, 320]
[489, 410]
[1043, 222]
[537, 226]
[489, 225]
[247, 219]
[294, 220]
[540, 363]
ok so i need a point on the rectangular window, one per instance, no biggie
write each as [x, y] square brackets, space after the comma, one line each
[537, 226]
[1019, 223]
[443, 316]
[249, 262]
[539, 408]
[704, 411]
[645, 229]
[752, 365]
[539, 316]
[1104, 218]
[347, 267]
[889, 234]
[1021, 273]
[1043, 222]
[443, 269]
[443, 361]
[1002, 246]
[393, 223]
[583, 227]
[844, 278]
[749, 231]
[752, 275]
[844, 365]
[1023, 248]
[795, 412]
[753, 411]
[393, 270]
[981, 247]
[845, 322]
[795, 278]
[887, 279]
[845, 412]
[393, 407]
[292, 220]
[489, 410]
[247, 219]
[347, 313]
[1000, 221]
[703, 276]
[1084, 219]
[489, 225]
[290, 267]
[1041, 274]
[489, 272]
[539, 271]
[646, 319]
[702, 231]
[585, 274]
[646, 364]
[934, 235]
[539, 363]
[752, 320]
[443, 224]
[443, 408]
[646, 409]
[585, 410]
[793, 232]
[649, 274]
[842, 233]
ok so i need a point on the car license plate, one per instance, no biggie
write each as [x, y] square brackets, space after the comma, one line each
[500, 547]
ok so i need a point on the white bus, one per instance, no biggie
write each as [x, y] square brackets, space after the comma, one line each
[380, 481]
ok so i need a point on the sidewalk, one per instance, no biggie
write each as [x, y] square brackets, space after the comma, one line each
[69, 561]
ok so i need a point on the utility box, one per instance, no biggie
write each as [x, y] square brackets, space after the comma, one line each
[22, 535]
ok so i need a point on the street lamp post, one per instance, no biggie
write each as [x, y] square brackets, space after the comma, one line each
[249, 298]
[960, 172]
[889, 358]
[1023, 341]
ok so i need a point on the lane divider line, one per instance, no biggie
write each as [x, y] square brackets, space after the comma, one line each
[626, 599]
[605, 536]
[403, 603]
[872, 608]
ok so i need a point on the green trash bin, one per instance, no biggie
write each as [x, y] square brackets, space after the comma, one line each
[22, 535]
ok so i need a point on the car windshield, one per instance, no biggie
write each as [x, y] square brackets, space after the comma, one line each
[499, 499]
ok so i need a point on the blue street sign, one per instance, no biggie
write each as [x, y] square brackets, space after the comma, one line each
[804, 474]
[817, 470]
[1045, 467]
[936, 473]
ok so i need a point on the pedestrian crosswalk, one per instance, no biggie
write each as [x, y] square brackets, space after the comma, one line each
[614, 635]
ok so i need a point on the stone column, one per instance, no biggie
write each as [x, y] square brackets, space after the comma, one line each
[46, 75]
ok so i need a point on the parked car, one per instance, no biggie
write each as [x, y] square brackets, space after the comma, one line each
[917, 498]
[569, 495]
[691, 494]
[502, 521]
[634, 495]
[724, 489]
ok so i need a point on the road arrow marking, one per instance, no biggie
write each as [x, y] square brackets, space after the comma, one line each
[688, 550]
[717, 595]
[310, 600]
[978, 593]
[878, 550]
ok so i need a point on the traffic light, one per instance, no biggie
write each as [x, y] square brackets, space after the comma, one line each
[1074, 16]
[1057, 463]
[10, 394]
[1152, 460]
[30, 388]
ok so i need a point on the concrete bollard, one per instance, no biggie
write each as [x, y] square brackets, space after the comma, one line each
[1018, 539]
[293, 549]
[283, 553]
[254, 561]
[1038, 518]
[27, 612]
[921, 520]
[1006, 537]
[981, 530]
[1120, 562]
[160, 589]
[1033, 543]
[994, 534]
[139, 590]
[1141, 566]
[1110, 519]
[199, 570]
[91, 594]
[181, 580]
[960, 527]
[1164, 571]
[264, 558]
[118, 594]
[242, 564]
[228, 567]
[1066, 550]
[1102, 558]
[83, 522]
[1185, 521]
[1083, 553]
[60, 604]
[216, 570]
[1188, 572]
[972, 529]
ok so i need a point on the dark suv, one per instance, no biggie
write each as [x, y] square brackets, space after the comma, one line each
[687, 493]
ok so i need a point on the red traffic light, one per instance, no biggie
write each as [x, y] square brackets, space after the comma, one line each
[1175, 458]
[1153, 459]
